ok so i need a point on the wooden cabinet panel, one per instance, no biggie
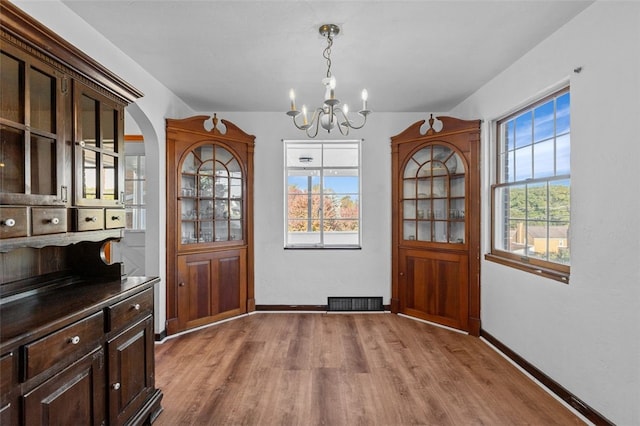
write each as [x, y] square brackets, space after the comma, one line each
[48, 220]
[13, 222]
[73, 397]
[8, 398]
[89, 219]
[211, 286]
[131, 371]
[114, 218]
[124, 312]
[68, 343]
[433, 286]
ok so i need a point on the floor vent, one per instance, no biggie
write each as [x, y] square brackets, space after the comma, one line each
[355, 304]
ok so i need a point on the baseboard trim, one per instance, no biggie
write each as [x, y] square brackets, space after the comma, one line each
[319, 308]
[307, 308]
[553, 386]
[161, 336]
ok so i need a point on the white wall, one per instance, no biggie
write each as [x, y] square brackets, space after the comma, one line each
[585, 335]
[308, 277]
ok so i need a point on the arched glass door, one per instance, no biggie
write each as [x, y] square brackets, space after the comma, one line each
[211, 196]
[433, 196]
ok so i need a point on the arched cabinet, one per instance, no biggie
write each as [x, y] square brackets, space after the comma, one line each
[209, 222]
[436, 237]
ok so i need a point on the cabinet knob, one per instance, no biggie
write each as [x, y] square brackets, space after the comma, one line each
[181, 285]
[92, 219]
[54, 221]
[74, 340]
[115, 386]
[136, 306]
[9, 222]
[115, 218]
[81, 143]
[402, 274]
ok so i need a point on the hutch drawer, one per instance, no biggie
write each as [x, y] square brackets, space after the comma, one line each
[114, 218]
[89, 219]
[122, 313]
[71, 342]
[13, 222]
[48, 220]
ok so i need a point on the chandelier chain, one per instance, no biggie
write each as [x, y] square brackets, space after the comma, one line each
[327, 54]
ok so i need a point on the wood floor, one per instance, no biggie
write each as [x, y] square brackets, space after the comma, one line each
[343, 369]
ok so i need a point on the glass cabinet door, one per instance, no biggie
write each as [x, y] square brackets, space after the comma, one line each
[433, 196]
[210, 196]
[29, 132]
[99, 146]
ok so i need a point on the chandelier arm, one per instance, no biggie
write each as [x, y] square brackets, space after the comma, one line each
[314, 123]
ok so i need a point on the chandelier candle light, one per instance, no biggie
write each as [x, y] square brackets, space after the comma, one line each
[329, 115]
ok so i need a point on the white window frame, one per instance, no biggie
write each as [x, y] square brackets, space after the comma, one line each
[318, 165]
[136, 208]
[526, 261]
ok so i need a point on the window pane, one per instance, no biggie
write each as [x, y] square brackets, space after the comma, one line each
[563, 154]
[43, 102]
[43, 165]
[543, 159]
[537, 202]
[12, 152]
[109, 164]
[11, 88]
[523, 163]
[88, 111]
[523, 130]
[562, 114]
[108, 128]
[340, 155]
[560, 200]
[543, 122]
[89, 175]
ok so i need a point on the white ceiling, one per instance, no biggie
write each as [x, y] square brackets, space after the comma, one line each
[412, 56]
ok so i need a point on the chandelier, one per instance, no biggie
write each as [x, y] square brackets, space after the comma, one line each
[330, 114]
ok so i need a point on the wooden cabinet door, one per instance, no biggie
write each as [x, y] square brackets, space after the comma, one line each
[131, 371]
[75, 396]
[211, 286]
[434, 286]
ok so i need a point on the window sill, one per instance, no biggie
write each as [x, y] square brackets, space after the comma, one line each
[532, 269]
[323, 248]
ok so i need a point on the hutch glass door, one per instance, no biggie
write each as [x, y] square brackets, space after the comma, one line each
[210, 196]
[433, 196]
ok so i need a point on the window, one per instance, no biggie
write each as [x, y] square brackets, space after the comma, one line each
[531, 197]
[322, 187]
[135, 192]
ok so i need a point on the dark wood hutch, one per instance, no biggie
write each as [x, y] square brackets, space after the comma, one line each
[76, 337]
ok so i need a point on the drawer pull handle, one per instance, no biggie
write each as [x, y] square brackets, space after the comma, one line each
[92, 219]
[115, 218]
[115, 386]
[9, 222]
[74, 340]
[136, 306]
[55, 221]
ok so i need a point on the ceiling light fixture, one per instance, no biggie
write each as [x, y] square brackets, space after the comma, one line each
[329, 115]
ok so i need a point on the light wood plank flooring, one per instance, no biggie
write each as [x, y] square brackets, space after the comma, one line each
[343, 369]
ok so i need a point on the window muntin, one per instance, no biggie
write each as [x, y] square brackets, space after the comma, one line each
[531, 197]
[135, 192]
[322, 187]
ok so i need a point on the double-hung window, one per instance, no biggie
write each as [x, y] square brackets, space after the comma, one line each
[322, 189]
[135, 192]
[531, 197]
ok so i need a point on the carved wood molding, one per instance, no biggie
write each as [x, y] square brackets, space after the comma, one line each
[24, 32]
